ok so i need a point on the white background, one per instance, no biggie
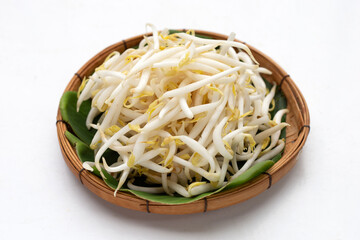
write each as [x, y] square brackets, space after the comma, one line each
[43, 43]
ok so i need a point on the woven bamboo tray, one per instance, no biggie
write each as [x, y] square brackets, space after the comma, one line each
[296, 134]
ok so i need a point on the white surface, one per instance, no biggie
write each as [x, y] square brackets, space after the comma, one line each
[43, 43]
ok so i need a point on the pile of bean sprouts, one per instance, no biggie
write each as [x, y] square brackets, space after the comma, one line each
[188, 114]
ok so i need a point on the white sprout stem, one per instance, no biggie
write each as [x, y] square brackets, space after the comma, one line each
[172, 145]
[204, 49]
[155, 58]
[179, 189]
[212, 63]
[267, 101]
[244, 57]
[278, 116]
[113, 60]
[149, 155]
[88, 166]
[264, 71]
[145, 57]
[172, 184]
[166, 63]
[275, 151]
[234, 160]
[214, 117]
[155, 167]
[129, 113]
[217, 139]
[170, 105]
[223, 171]
[155, 35]
[164, 183]
[119, 168]
[212, 149]
[240, 106]
[111, 116]
[214, 177]
[197, 147]
[194, 65]
[222, 80]
[85, 94]
[199, 109]
[232, 134]
[185, 108]
[275, 136]
[108, 73]
[199, 126]
[122, 180]
[103, 96]
[143, 80]
[116, 108]
[90, 117]
[219, 42]
[264, 134]
[156, 123]
[207, 187]
[243, 157]
[154, 190]
[225, 48]
[122, 149]
[132, 139]
[259, 83]
[194, 86]
[257, 110]
[248, 163]
[232, 53]
[116, 136]
[259, 121]
[139, 146]
[229, 61]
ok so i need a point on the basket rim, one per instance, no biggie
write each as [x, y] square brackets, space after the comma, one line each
[96, 185]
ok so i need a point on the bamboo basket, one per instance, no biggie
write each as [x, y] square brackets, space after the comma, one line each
[296, 135]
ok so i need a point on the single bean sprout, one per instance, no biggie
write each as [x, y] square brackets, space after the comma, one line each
[186, 114]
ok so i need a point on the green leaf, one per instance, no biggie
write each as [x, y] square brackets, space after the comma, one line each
[110, 156]
[76, 119]
[110, 180]
[84, 152]
[250, 174]
[72, 138]
[277, 157]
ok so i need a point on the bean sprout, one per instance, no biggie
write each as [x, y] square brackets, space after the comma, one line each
[188, 114]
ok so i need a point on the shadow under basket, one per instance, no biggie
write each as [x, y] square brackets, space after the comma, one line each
[296, 134]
